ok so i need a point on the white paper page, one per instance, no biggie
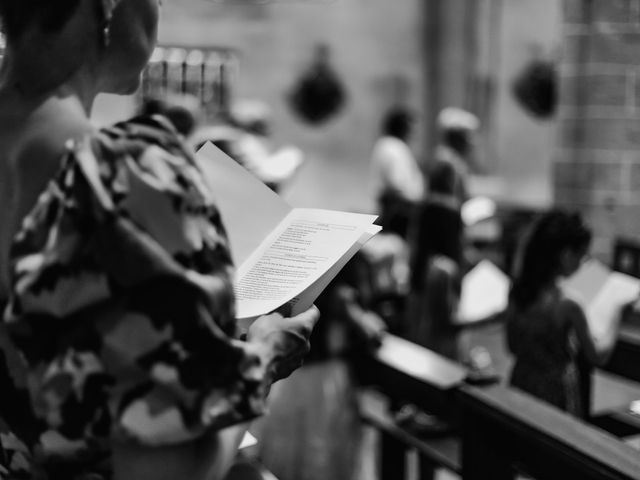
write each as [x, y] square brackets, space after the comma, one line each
[605, 306]
[300, 250]
[587, 281]
[248, 440]
[250, 210]
[303, 301]
[485, 291]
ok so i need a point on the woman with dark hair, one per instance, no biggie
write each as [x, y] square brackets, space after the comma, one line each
[118, 352]
[546, 329]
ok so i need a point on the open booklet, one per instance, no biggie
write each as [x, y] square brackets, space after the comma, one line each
[602, 292]
[484, 293]
[286, 256]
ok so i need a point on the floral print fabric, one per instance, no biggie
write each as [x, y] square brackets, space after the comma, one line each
[122, 304]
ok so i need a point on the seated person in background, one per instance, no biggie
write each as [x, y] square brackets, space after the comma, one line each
[397, 179]
[253, 148]
[547, 330]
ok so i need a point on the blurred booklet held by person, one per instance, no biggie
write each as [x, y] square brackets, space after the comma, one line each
[602, 293]
[484, 293]
[286, 256]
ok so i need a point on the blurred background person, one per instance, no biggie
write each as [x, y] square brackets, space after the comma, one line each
[184, 111]
[547, 330]
[245, 135]
[449, 169]
[253, 147]
[397, 180]
[436, 274]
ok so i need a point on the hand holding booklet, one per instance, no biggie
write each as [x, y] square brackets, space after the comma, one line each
[603, 292]
[286, 256]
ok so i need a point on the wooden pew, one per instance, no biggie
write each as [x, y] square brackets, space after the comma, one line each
[404, 371]
[505, 431]
[625, 360]
[411, 373]
[442, 451]
[497, 431]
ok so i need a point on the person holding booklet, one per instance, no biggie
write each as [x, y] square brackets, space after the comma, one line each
[547, 327]
[119, 354]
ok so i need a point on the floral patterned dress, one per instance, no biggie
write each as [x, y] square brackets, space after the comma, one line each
[546, 349]
[120, 323]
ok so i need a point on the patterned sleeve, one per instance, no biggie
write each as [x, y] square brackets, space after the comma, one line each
[122, 300]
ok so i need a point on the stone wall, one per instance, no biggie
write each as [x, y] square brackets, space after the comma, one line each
[372, 42]
[597, 164]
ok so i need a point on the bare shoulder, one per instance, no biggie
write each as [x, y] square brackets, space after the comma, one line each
[38, 149]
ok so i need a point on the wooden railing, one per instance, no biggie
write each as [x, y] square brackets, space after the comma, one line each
[505, 432]
[494, 433]
[406, 372]
[625, 360]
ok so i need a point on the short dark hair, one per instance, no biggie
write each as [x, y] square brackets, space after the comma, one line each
[180, 116]
[50, 15]
[397, 123]
[459, 139]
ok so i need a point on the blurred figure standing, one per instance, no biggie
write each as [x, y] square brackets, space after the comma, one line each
[547, 329]
[397, 179]
[184, 111]
[436, 244]
[436, 275]
[253, 148]
[450, 166]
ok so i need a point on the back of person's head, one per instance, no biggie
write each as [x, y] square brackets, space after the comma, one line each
[456, 128]
[397, 123]
[544, 249]
[153, 106]
[183, 111]
[50, 15]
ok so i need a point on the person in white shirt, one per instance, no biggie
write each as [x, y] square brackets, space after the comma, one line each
[397, 179]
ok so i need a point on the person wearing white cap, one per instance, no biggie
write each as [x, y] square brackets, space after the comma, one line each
[450, 166]
[437, 241]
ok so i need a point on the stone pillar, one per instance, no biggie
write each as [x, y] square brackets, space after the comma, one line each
[597, 162]
[449, 36]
